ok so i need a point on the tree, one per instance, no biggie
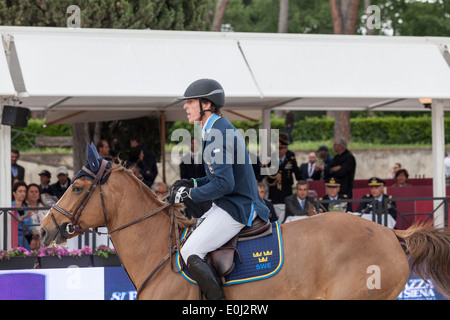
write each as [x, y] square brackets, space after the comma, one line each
[284, 16]
[221, 9]
[344, 14]
[118, 14]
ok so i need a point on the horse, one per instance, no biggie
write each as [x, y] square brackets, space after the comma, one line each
[327, 256]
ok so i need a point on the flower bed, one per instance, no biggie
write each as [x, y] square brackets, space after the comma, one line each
[61, 257]
[58, 257]
[105, 256]
[17, 258]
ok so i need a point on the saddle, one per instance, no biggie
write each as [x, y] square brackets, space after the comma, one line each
[222, 259]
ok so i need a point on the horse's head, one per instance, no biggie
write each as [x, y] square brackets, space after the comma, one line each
[81, 207]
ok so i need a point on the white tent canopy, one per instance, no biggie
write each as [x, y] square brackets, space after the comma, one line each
[6, 84]
[130, 73]
[83, 75]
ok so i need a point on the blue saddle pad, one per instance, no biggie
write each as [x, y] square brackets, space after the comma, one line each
[261, 259]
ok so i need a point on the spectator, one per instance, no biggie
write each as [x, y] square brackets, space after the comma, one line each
[289, 124]
[299, 204]
[401, 177]
[137, 158]
[397, 166]
[103, 149]
[45, 177]
[17, 171]
[160, 189]
[309, 170]
[323, 159]
[149, 157]
[21, 235]
[191, 166]
[63, 183]
[342, 167]
[332, 188]
[447, 168]
[33, 200]
[380, 205]
[262, 193]
[280, 184]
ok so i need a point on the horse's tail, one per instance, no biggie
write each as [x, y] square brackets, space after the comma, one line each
[428, 251]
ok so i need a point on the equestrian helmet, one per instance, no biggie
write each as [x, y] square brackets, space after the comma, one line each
[205, 88]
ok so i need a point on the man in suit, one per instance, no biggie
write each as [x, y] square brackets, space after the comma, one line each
[190, 167]
[60, 187]
[280, 184]
[17, 171]
[342, 167]
[299, 204]
[262, 193]
[381, 201]
[332, 188]
[45, 177]
[309, 170]
[229, 182]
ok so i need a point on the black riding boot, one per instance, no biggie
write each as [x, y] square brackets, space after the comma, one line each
[206, 278]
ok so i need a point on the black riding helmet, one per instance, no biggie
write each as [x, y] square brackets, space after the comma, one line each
[208, 89]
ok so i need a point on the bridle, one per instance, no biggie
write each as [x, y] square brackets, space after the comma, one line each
[74, 227]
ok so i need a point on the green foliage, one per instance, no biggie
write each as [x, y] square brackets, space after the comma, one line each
[313, 129]
[37, 126]
[387, 130]
[25, 138]
[262, 16]
[118, 14]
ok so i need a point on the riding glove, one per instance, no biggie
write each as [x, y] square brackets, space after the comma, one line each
[180, 195]
[183, 183]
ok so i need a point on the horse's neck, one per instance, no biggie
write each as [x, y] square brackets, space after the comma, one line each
[143, 245]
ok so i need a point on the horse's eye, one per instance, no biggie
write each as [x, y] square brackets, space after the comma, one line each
[77, 189]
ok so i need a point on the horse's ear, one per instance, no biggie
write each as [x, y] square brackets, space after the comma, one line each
[92, 157]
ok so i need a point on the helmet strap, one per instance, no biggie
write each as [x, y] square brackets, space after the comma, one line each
[202, 112]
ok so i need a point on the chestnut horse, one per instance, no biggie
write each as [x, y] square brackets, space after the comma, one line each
[327, 256]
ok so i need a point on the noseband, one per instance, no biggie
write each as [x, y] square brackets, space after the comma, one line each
[74, 226]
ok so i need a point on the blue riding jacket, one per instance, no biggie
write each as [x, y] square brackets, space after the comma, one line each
[230, 180]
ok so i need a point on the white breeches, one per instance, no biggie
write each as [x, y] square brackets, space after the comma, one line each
[217, 228]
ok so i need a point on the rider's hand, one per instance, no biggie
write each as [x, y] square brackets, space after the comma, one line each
[180, 195]
[183, 183]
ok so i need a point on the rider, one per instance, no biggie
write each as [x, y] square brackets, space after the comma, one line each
[229, 183]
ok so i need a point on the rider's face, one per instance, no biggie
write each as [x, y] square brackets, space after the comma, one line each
[192, 108]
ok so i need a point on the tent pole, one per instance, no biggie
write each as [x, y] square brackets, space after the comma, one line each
[163, 145]
[5, 183]
[438, 150]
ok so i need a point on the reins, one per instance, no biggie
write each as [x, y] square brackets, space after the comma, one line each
[74, 227]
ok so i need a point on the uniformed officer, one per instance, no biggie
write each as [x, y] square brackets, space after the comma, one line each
[381, 205]
[280, 184]
[332, 188]
[230, 184]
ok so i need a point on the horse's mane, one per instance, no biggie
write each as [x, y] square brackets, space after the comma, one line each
[183, 221]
